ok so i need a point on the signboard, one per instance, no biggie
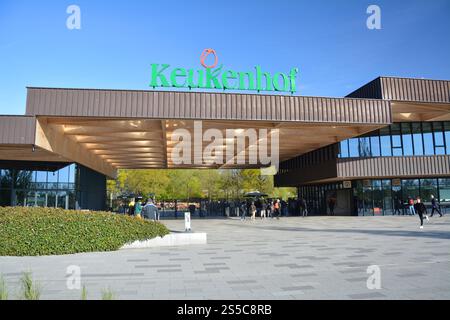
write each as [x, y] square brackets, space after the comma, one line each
[396, 182]
[347, 184]
[213, 77]
[187, 221]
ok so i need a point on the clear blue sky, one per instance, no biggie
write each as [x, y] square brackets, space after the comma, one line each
[327, 40]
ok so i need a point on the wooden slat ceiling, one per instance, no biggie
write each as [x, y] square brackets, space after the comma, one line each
[147, 143]
[415, 111]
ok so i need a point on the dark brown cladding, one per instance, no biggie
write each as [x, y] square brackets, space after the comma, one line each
[372, 90]
[405, 89]
[17, 130]
[194, 105]
[394, 166]
[364, 168]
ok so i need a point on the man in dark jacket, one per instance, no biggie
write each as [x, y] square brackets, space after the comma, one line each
[435, 206]
[421, 210]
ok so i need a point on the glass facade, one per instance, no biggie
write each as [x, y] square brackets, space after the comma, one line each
[378, 196]
[400, 139]
[39, 188]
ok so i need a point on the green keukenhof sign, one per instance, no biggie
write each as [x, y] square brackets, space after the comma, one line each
[163, 75]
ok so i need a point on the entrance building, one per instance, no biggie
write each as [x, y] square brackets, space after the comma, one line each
[370, 151]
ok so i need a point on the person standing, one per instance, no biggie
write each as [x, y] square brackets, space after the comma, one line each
[304, 208]
[138, 208]
[412, 210]
[150, 210]
[397, 205]
[192, 208]
[421, 211]
[435, 206]
[131, 208]
[284, 208]
[175, 208]
[263, 208]
[331, 205]
[269, 209]
[253, 210]
[243, 210]
[276, 208]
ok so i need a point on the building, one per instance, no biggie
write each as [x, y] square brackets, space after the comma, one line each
[386, 141]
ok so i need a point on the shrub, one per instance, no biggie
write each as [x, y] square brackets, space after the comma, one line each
[32, 231]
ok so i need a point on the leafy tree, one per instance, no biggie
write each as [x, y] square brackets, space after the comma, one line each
[195, 183]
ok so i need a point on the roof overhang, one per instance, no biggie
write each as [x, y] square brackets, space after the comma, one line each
[107, 130]
[404, 111]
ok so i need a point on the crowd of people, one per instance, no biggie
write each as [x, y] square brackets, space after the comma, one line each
[254, 207]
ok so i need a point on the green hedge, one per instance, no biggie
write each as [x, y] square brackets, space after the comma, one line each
[46, 231]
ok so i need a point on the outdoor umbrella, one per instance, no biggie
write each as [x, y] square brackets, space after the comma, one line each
[254, 194]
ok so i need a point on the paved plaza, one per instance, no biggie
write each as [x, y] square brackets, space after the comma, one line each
[290, 258]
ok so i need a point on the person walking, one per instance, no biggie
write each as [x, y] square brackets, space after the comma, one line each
[412, 210]
[435, 206]
[421, 211]
[253, 210]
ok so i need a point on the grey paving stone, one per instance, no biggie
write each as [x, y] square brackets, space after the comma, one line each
[241, 281]
[371, 295]
[149, 266]
[312, 258]
[295, 288]
[169, 270]
[108, 275]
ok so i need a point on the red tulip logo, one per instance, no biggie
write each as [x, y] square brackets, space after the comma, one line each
[205, 54]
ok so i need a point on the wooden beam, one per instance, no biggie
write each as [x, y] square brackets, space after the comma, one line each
[54, 140]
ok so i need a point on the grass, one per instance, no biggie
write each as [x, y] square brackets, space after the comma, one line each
[108, 294]
[84, 293]
[30, 289]
[3, 289]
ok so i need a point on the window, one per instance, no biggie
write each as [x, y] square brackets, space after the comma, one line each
[375, 146]
[407, 139]
[444, 190]
[417, 138]
[396, 140]
[52, 178]
[410, 188]
[447, 136]
[344, 149]
[439, 146]
[353, 147]
[428, 187]
[428, 138]
[364, 147]
[385, 140]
